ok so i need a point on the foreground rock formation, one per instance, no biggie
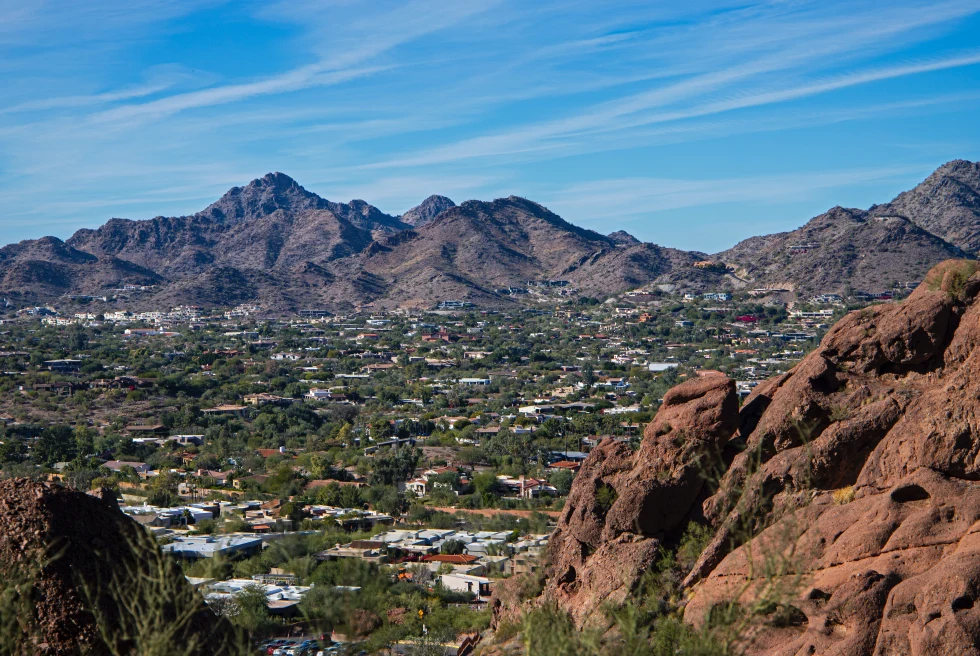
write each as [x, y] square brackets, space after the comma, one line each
[623, 503]
[79, 577]
[850, 494]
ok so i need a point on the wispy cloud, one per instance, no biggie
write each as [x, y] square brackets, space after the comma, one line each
[66, 102]
[155, 106]
[300, 78]
[643, 196]
[381, 34]
[65, 22]
[625, 114]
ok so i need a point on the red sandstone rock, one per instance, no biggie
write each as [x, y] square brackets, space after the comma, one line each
[889, 404]
[77, 552]
[623, 502]
[887, 407]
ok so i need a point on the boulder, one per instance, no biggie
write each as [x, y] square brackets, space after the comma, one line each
[847, 519]
[624, 502]
[83, 578]
[888, 573]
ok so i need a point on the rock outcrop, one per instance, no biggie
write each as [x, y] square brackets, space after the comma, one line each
[624, 502]
[850, 497]
[79, 577]
[859, 477]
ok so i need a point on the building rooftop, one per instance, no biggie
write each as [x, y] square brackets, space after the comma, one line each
[209, 546]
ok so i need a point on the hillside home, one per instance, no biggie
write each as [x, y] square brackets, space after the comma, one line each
[227, 409]
[479, 586]
[267, 399]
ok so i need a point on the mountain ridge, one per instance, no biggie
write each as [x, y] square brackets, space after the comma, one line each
[273, 241]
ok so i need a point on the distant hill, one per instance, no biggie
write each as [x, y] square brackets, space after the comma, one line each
[623, 237]
[840, 249]
[471, 250]
[947, 204]
[276, 243]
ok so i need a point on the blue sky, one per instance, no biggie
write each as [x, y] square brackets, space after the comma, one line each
[691, 124]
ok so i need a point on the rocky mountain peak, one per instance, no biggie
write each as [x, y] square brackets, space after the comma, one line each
[264, 196]
[623, 238]
[277, 180]
[959, 166]
[947, 204]
[478, 247]
[366, 216]
[427, 210]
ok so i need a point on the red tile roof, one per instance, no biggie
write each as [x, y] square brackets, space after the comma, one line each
[452, 559]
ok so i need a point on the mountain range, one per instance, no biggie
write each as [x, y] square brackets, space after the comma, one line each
[275, 243]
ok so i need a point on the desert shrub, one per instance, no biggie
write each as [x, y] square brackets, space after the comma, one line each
[951, 276]
[839, 413]
[605, 497]
[844, 495]
[695, 539]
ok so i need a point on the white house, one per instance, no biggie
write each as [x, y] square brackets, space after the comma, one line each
[476, 585]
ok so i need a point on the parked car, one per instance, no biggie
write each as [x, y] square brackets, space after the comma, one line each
[272, 645]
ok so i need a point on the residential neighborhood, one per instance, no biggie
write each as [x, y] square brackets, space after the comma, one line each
[333, 470]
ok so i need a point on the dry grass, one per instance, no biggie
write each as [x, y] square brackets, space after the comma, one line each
[951, 276]
[844, 495]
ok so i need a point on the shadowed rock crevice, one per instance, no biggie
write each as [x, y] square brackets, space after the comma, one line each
[623, 503]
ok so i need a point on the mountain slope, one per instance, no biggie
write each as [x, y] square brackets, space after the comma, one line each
[947, 204]
[46, 267]
[272, 222]
[274, 242]
[839, 249]
[470, 250]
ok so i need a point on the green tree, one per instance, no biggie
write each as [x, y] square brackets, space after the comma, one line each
[251, 609]
[12, 449]
[84, 440]
[562, 480]
[350, 497]
[397, 465]
[319, 465]
[55, 444]
[588, 374]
